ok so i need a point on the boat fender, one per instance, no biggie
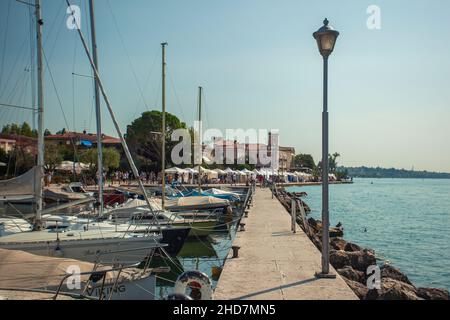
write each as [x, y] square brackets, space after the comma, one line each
[198, 282]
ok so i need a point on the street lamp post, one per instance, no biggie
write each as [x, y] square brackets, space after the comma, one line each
[326, 39]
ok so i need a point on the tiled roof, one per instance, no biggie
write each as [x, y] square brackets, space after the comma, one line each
[82, 136]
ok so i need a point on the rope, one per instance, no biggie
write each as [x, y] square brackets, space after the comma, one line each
[175, 93]
[126, 53]
[4, 42]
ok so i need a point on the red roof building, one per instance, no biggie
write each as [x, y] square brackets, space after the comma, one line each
[84, 138]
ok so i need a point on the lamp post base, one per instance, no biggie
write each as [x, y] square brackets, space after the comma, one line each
[321, 275]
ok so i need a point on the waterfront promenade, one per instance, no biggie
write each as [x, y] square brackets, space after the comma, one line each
[273, 262]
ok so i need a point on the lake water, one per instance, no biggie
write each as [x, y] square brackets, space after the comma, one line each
[407, 222]
[198, 254]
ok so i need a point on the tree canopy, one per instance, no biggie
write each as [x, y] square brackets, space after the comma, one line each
[144, 138]
[23, 130]
[52, 157]
[111, 158]
[304, 161]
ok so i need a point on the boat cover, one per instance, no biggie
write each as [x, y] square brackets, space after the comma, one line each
[22, 185]
[193, 201]
[23, 270]
[189, 202]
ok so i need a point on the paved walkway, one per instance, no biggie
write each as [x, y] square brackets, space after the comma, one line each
[273, 262]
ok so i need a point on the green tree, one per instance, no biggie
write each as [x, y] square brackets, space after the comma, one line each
[304, 161]
[24, 130]
[20, 161]
[333, 166]
[52, 156]
[144, 139]
[4, 158]
[12, 128]
[111, 159]
[332, 161]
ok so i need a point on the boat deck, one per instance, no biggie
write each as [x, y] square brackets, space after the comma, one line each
[273, 262]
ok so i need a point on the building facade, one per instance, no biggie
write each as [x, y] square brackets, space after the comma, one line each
[82, 139]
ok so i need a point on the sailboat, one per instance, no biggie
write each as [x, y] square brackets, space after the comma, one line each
[87, 244]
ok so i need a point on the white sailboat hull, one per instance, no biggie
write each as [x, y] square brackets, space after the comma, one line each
[91, 250]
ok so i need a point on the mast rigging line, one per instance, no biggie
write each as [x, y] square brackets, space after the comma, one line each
[15, 106]
[4, 43]
[176, 95]
[146, 83]
[32, 65]
[23, 52]
[58, 97]
[27, 3]
[116, 124]
[72, 141]
[16, 60]
[127, 54]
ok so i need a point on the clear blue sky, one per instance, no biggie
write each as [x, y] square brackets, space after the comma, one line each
[389, 88]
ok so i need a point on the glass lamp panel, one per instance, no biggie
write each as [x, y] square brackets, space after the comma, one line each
[327, 42]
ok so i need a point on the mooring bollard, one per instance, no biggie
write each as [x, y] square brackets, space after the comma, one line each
[246, 213]
[293, 217]
[241, 226]
[235, 251]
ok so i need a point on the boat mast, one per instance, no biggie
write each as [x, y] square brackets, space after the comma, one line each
[200, 138]
[116, 124]
[39, 183]
[163, 131]
[98, 115]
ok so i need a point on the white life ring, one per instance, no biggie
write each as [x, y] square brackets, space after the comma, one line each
[197, 280]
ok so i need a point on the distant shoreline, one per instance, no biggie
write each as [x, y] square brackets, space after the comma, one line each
[381, 173]
[425, 178]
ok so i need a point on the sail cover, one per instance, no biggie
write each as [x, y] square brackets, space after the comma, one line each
[19, 186]
[194, 201]
[23, 270]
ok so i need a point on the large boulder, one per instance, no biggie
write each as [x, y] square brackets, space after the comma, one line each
[433, 294]
[388, 271]
[352, 274]
[315, 224]
[352, 247]
[392, 289]
[338, 243]
[359, 260]
[359, 289]
[339, 259]
[336, 232]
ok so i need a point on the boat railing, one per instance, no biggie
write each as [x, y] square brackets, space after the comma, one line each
[104, 253]
[96, 275]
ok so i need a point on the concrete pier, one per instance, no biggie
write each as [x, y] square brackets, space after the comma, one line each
[273, 262]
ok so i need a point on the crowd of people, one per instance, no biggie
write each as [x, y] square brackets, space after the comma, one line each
[127, 177]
